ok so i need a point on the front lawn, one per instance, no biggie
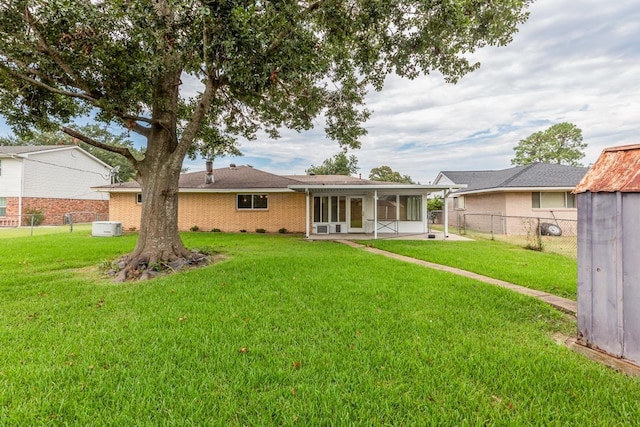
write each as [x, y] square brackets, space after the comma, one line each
[283, 332]
[544, 271]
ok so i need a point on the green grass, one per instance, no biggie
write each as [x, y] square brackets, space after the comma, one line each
[283, 332]
[542, 271]
[8, 232]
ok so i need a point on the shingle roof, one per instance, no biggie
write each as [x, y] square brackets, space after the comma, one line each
[235, 178]
[538, 175]
[23, 149]
[332, 180]
[246, 177]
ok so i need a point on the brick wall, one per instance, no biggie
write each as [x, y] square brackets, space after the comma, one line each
[54, 209]
[209, 211]
[124, 208]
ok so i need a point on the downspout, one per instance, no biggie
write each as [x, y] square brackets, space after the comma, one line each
[21, 192]
[306, 214]
[375, 214]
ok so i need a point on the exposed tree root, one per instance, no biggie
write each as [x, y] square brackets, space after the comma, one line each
[144, 266]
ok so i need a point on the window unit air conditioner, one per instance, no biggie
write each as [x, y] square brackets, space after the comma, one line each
[322, 229]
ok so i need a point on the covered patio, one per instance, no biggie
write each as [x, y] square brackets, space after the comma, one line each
[338, 209]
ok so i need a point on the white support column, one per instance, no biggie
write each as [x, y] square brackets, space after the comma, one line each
[445, 195]
[375, 214]
[425, 212]
[306, 215]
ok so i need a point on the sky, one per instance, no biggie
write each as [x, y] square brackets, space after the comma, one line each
[574, 61]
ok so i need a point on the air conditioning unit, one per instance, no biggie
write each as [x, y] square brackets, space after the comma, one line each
[106, 228]
[322, 229]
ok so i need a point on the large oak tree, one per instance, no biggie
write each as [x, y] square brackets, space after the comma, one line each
[194, 76]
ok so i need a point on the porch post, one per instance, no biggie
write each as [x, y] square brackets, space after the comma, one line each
[425, 215]
[306, 214]
[375, 214]
[445, 193]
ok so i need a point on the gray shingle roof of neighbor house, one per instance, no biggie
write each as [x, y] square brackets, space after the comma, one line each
[535, 175]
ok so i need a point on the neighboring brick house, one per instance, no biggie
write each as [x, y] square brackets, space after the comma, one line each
[56, 179]
[244, 198]
[537, 190]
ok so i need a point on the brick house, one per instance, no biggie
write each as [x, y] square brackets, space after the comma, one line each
[244, 198]
[55, 179]
[537, 190]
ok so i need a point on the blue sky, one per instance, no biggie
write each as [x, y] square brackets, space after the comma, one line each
[574, 61]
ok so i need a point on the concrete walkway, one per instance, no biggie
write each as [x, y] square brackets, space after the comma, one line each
[564, 304]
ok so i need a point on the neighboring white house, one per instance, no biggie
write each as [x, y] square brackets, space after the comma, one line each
[54, 179]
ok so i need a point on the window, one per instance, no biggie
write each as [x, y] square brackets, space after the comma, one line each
[458, 202]
[548, 200]
[253, 201]
[3, 206]
[338, 209]
[139, 198]
[321, 209]
[403, 208]
[410, 208]
[329, 209]
[387, 208]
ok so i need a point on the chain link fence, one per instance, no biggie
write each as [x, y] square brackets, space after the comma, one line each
[543, 234]
[37, 219]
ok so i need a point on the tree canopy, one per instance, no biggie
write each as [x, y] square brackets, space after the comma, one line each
[194, 76]
[385, 173]
[560, 143]
[340, 164]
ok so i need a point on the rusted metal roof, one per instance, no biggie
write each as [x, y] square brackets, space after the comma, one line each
[617, 169]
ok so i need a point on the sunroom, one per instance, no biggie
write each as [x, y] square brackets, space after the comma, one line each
[383, 208]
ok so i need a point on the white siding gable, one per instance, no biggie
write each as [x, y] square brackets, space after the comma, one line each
[68, 173]
[10, 177]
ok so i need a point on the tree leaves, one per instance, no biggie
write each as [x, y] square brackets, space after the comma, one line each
[560, 143]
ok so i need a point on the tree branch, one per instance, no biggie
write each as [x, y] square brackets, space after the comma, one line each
[118, 150]
[51, 89]
[45, 48]
[199, 113]
[284, 34]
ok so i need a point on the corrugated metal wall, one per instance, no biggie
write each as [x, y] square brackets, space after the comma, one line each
[609, 272]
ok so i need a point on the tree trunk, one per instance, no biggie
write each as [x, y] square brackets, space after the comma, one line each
[159, 241]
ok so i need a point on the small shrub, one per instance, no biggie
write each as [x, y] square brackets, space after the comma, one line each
[195, 228]
[35, 215]
[243, 231]
[260, 230]
[215, 230]
[282, 230]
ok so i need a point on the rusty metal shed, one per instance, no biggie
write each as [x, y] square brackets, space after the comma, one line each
[608, 199]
